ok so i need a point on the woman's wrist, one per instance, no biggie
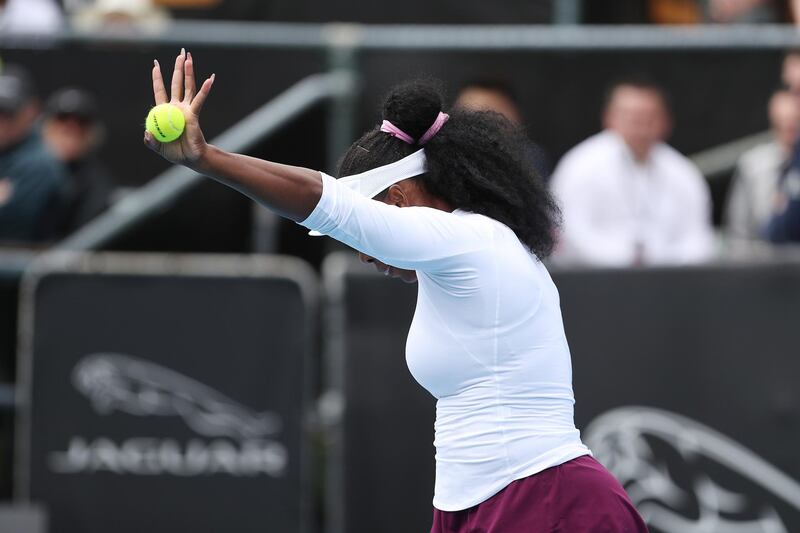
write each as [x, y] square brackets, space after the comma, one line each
[204, 163]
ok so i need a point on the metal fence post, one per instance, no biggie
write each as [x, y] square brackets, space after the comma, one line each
[343, 41]
[567, 11]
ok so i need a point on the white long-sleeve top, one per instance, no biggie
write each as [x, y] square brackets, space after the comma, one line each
[487, 339]
[618, 211]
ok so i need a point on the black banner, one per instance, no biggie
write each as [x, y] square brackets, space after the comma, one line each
[685, 381]
[167, 394]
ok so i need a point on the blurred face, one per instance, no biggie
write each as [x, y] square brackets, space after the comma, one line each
[639, 116]
[784, 117]
[727, 11]
[408, 276]
[69, 137]
[480, 99]
[791, 73]
[15, 126]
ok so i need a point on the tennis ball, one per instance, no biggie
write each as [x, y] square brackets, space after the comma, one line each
[165, 122]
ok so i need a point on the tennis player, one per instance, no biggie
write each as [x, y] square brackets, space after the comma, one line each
[450, 202]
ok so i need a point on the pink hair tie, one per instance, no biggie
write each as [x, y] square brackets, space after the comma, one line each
[441, 118]
[394, 131]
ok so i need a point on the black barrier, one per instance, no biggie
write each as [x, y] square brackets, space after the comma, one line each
[685, 380]
[12, 264]
[166, 393]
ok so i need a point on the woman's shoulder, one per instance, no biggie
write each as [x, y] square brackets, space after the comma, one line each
[488, 231]
[481, 224]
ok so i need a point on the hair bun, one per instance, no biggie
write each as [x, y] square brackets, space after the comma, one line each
[413, 106]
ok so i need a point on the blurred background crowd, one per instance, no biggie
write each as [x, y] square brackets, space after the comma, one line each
[628, 197]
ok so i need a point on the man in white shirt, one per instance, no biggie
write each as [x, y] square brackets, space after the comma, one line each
[755, 182]
[627, 197]
[30, 16]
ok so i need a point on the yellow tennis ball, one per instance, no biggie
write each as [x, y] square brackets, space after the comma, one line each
[165, 122]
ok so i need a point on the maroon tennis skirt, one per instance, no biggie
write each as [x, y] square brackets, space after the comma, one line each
[579, 496]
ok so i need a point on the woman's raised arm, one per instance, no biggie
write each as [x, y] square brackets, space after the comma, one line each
[289, 191]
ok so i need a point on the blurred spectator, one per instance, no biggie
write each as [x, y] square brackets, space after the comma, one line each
[675, 11]
[490, 95]
[755, 181]
[30, 16]
[139, 15]
[718, 11]
[32, 182]
[73, 132]
[627, 197]
[784, 223]
[745, 11]
[687, 11]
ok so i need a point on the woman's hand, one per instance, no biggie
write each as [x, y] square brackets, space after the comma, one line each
[191, 145]
[291, 192]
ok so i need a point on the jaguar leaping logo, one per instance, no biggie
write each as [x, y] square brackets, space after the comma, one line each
[643, 446]
[134, 386]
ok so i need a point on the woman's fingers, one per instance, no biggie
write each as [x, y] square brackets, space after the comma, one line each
[159, 92]
[177, 77]
[189, 85]
[150, 141]
[184, 86]
[200, 99]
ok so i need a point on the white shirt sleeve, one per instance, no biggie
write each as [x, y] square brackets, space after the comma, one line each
[413, 238]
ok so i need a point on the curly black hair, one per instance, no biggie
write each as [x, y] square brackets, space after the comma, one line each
[477, 162]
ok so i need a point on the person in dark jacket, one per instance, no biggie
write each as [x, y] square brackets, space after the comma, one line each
[33, 184]
[73, 133]
[784, 224]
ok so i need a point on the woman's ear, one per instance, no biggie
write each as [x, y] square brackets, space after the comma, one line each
[396, 196]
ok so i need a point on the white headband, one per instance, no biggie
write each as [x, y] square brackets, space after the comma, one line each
[378, 179]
